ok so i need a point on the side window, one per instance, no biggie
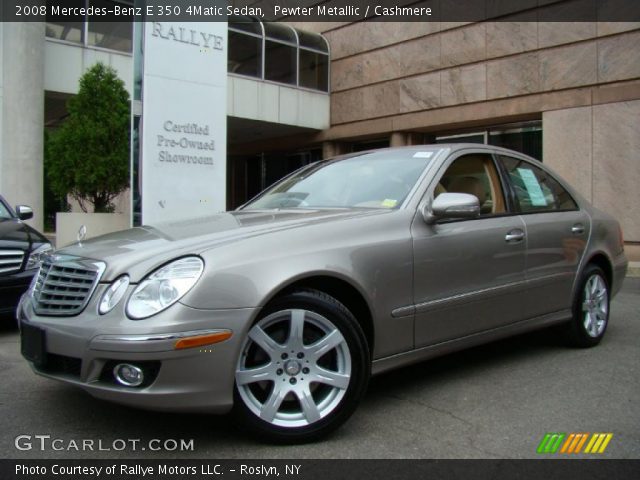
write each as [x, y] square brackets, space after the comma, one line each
[536, 190]
[474, 174]
[4, 211]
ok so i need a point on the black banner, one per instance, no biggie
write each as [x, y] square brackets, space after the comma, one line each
[319, 469]
[321, 10]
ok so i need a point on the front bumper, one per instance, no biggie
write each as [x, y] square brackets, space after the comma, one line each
[81, 350]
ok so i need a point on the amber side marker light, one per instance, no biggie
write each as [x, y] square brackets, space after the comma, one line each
[200, 340]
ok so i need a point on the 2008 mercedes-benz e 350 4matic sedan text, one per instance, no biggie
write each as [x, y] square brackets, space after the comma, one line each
[348, 267]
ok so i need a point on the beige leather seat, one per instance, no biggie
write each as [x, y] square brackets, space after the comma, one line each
[439, 189]
[470, 185]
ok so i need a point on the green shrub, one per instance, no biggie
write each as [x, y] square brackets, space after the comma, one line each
[88, 155]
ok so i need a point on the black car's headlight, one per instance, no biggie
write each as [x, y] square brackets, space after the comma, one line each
[164, 287]
[36, 256]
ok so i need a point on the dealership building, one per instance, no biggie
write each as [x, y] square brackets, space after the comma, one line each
[293, 93]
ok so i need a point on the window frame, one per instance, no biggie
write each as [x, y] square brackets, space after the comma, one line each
[293, 42]
[506, 192]
[84, 33]
[515, 202]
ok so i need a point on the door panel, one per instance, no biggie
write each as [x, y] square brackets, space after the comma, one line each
[468, 274]
[468, 278]
[557, 234]
[553, 257]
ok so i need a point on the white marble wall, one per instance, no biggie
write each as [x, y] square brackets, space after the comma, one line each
[475, 63]
[616, 163]
[596, 149]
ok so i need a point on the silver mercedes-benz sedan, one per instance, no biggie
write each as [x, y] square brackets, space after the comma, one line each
[282, 309]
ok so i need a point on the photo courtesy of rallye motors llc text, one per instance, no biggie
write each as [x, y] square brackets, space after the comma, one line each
[160, 469]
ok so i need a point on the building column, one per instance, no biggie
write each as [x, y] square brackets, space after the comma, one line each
[402, 139]
[22, 120]
[332, 149]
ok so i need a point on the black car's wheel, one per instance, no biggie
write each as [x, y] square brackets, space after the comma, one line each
[302, 369]
[590, 309]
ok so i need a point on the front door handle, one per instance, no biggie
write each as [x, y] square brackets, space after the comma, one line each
[514, 236]
[577, 229]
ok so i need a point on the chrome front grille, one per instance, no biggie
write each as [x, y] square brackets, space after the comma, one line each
[64, 285]
[11, 261]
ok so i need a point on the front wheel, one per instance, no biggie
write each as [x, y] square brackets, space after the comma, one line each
[590, 309]
[302, 369]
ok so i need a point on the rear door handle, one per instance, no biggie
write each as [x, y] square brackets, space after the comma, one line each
[514, 236]
[577, 229]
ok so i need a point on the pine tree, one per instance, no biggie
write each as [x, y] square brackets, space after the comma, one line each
[88, 156]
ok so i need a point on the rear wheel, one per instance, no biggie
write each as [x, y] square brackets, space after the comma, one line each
[302, 369]
[590, 309]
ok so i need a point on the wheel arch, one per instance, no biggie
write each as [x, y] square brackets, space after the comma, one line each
[340, 289]
[601, 260]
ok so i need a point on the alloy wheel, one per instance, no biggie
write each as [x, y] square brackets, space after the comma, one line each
[294, 369]
[595, 305]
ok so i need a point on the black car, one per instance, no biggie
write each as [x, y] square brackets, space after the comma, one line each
[21, 249]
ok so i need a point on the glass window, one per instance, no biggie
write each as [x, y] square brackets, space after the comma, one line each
[280, 62]
[527, 140]
[476, 175]
[4, 211]
[138, 61]
[523, 137]
[312, 40]
[314, 70]
[279, 31]
[137, 174]
[111, 35]
[368, 180]
[246, 24]
[535, 189]
[245, 54]
[67, 31]
[372, 144]
[464, 138]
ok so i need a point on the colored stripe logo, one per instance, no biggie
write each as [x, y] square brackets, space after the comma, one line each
[574, 443]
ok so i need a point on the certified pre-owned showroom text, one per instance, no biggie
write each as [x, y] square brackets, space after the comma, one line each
[46, 442]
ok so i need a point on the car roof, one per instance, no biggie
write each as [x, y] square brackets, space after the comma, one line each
[453, 147]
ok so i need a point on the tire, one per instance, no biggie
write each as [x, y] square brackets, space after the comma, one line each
[303, 369]
[590, 309]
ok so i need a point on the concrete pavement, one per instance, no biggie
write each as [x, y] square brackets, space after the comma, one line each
[494, 401]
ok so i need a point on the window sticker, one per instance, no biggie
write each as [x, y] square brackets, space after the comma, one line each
[422, 155]
[533, 187]
[389, 203]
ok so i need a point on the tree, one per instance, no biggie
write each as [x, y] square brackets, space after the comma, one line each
[88, 156]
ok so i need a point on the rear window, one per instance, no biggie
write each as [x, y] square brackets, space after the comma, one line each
[536, 190]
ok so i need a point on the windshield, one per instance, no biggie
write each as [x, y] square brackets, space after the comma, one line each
[4, 211]
[380, 179]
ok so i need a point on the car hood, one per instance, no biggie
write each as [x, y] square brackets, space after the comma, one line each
[19, 235]
[137, 250]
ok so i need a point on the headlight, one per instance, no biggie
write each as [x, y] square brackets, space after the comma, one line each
[114, 294]
[36, 257]
[164, 287]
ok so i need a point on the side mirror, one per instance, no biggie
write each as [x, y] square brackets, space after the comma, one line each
[24, 212]
[451, 205]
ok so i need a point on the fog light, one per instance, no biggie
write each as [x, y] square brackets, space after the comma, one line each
[128, 375]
